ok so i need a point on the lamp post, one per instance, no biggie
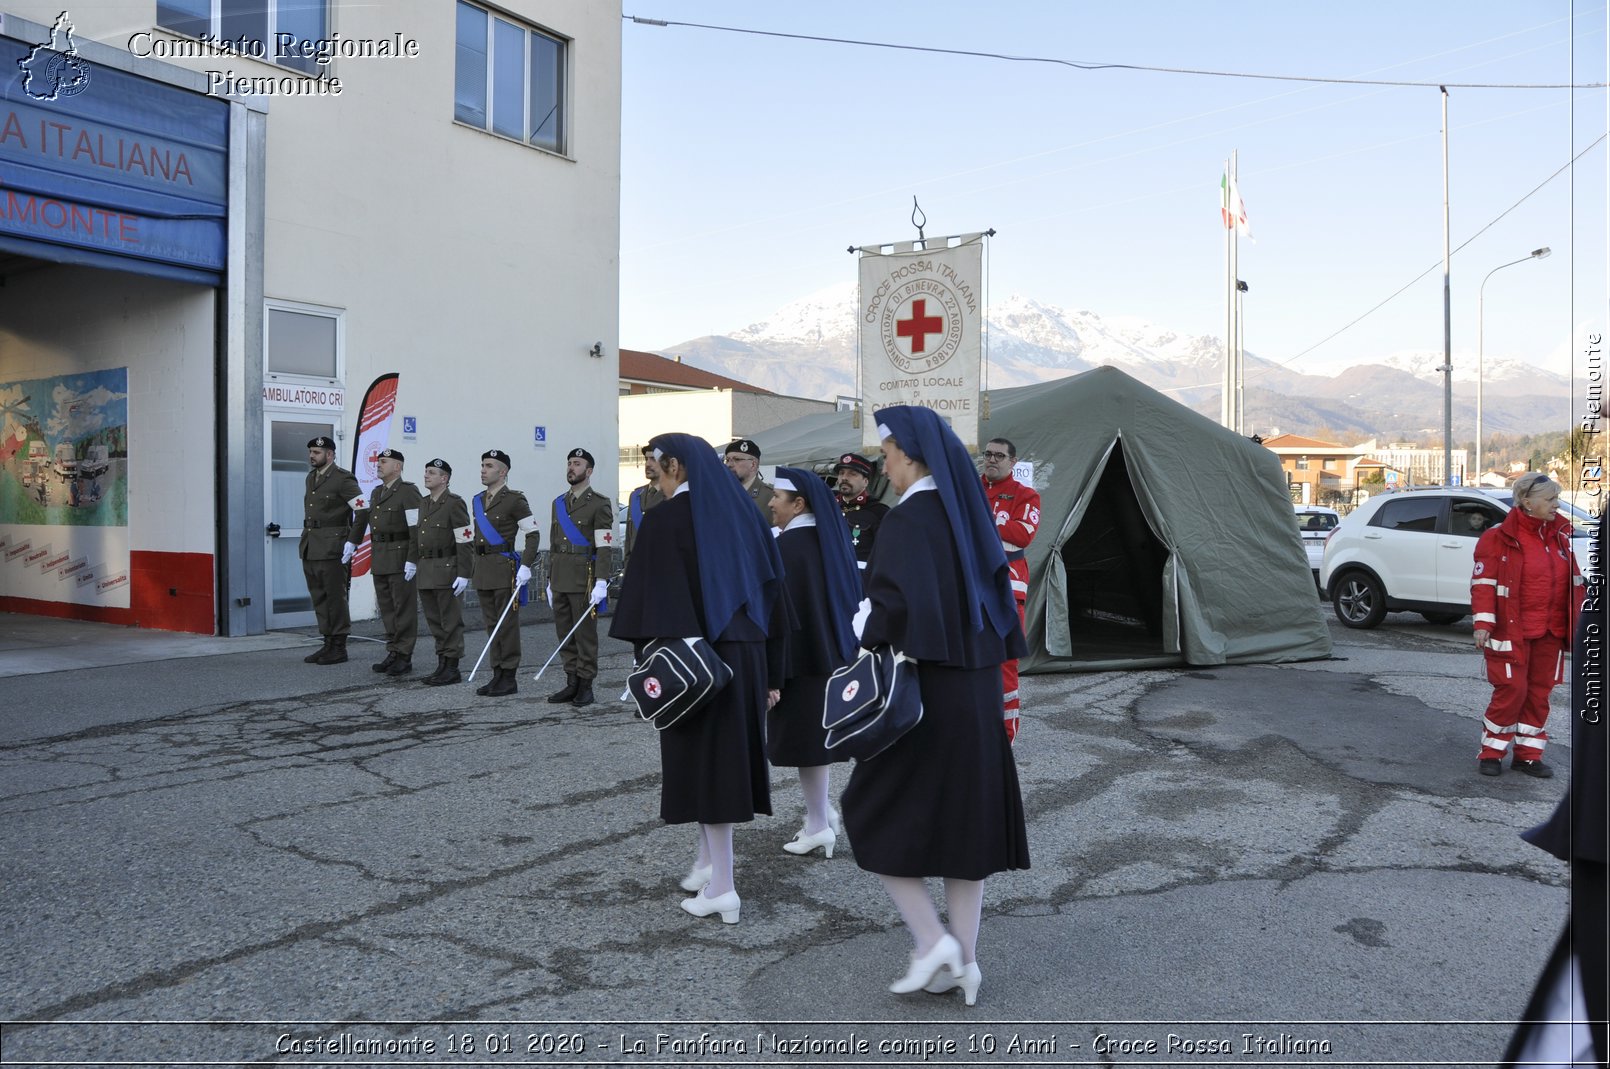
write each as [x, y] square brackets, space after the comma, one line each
[1481, 292]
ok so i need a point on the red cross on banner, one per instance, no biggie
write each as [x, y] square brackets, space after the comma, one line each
[919, 326]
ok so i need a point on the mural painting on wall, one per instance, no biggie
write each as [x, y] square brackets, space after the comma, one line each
[64, 487]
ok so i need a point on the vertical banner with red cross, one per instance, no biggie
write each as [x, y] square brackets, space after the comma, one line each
[922, 313]
[374, 430]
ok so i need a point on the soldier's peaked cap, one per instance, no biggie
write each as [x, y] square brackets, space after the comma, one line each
[745, 445]
[498, 455]
[438, 462]
[321, 442]
[855, 462]
[582, 453]
[389, 454]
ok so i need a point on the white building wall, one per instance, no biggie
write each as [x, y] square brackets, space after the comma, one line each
[706, 413]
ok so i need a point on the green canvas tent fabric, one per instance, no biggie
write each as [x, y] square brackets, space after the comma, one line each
[1164, 539]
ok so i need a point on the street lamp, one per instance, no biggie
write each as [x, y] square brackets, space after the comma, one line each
[1535, 254]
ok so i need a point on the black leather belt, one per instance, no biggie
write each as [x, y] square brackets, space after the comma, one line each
[433, 554]
[567, 548]
[389, 536]
[492, 551]
[1015, 554]
[311, 525]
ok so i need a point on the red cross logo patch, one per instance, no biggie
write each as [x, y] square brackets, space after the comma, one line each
[851, 689]
[651, 687]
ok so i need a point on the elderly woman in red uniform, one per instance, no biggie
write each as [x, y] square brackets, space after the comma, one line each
[1523, 594]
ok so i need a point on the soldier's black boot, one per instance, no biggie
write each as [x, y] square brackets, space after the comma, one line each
[486, 688]
[565, 693]
[313, 658]
[428, 680]
[401, 666]
[504, 683]
[385, 665]
[337, 653]
[447, 673]
[584, 693]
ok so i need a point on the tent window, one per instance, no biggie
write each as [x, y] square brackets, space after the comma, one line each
[1114, 565]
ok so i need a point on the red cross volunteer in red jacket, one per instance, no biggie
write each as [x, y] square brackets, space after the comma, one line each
[1523, 596]
[1017, 517]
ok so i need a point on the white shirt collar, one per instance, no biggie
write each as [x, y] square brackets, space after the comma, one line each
[802, 521]
[922, 484]
[682, 489]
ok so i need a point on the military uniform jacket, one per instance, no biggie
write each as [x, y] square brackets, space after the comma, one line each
[492, 568]
[862, 520]
[393, 541]
[334, 511]
[647, 496]
[762, 493]
[444, 542]
[569, 565]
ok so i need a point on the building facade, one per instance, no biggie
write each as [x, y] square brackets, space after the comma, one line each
[219, 225]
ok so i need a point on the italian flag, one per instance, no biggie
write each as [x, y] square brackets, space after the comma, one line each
[1231, 208]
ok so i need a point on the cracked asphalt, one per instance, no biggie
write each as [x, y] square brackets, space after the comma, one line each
[1278, 850]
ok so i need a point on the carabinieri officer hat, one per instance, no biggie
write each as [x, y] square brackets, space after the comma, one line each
[498, 455]
[582, 453]
[745, 445]
[855, 462]
[438, 462]
[321, 442]
[389, 454]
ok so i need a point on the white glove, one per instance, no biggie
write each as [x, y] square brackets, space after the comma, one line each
[522, 577]
[858, 622]
[550, 595]
[410, 569]
[460, 585]
[600, 592]
[347, 550]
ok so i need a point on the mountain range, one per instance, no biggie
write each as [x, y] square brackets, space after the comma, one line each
[807, 349]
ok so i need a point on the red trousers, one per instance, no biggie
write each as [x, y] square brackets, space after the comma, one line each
[1009, 674]
[1521, 683]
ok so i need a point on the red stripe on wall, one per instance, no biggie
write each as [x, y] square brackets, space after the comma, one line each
[167, 592]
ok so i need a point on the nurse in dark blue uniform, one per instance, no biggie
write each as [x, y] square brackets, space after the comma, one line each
[824, 587]
[943, 800]
[705, 565]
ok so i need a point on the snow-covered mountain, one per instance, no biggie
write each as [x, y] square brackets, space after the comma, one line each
[807, 349]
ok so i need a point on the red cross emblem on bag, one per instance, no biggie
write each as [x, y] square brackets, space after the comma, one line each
[851, 689]
[651, 687]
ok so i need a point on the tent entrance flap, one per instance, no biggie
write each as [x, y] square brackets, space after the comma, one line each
[1113, 565]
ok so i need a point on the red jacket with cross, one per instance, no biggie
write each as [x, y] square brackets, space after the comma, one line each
[1495, 594]
[1016, 509]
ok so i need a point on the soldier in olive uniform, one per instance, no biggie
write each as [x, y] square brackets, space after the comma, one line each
[500, 515]
[446, 563]
[580, 552]
[394, 560]
[641, 500]
[334, 512]
[862, 512]
[743, 460]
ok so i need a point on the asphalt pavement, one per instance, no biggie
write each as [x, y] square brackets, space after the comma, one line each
[225, 856]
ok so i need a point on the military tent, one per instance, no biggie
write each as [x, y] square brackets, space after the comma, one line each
[1164, 539]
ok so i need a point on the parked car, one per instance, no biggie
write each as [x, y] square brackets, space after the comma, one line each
[1407, 551]
[1315, 524]
[1583, 524]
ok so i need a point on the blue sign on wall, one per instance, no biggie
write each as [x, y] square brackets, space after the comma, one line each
[540, 437]
[96, 159]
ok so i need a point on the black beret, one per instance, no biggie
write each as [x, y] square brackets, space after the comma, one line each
[321, 442]
[855, 462]
[389, 454]
[440, 463]
[744, 445]
[498, 455]
[582, 453]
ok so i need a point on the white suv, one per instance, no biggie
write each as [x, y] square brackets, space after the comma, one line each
[1407, 551]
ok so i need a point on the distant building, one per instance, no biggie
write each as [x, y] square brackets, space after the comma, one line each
[659, 394]
[1420, 467]
[1317, 473]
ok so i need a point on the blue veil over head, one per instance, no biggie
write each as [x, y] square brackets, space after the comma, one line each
[838, 554]
[928, 440]
[739, 566]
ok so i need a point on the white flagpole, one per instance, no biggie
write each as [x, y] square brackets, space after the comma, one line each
[1226, 384]
[1235, 284]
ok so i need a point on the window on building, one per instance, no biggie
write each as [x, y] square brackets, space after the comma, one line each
[1302, 463]
[1409, 514]
[260, 22]
[509, 78]
[304, 342]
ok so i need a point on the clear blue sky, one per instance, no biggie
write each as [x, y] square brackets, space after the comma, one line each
[750, 163]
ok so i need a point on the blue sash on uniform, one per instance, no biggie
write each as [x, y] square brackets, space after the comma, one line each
[492, 537]
[637, 508]
[573, 533]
